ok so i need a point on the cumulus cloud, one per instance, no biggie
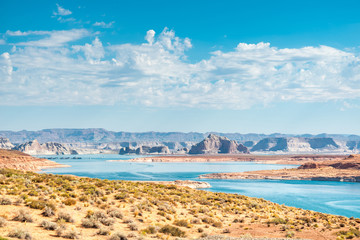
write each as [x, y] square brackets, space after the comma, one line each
[156, 73]
[93, 52]
[103, 24]
[150, 36]
[62, 11]
[6, 67]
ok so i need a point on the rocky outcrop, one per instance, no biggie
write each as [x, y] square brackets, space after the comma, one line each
[214, 144]
[353, 145]
[5, 143]
[144, 150]
[351, 162]
[35, 148]
[296, 145]
[13, 159]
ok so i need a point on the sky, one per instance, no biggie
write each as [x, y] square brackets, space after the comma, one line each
[226, 66]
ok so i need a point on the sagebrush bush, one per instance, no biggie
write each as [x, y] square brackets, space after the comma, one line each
[117, 236]
[5, 200]
[133, 227]
[173, 231]
[70, 234]
[107, 221]
[69, 202]
[115, 213]
[103, 231]
[48, 212]
[150, 230]
[23, 215]
[3, 222]
[181, 223]
[217, 224]
[49, 225]
[90, 223]
[20, 233]
[128, 220]
[65, 217]
[36, 204]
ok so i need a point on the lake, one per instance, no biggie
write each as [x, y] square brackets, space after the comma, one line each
[340, 198]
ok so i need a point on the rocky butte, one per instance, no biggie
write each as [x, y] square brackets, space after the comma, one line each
[5, 143]
[35, 148]
[214, 144]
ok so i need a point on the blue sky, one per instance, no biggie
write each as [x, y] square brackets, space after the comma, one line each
[229, 66]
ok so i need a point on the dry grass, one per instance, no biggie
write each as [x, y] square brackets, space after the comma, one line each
[106, 209]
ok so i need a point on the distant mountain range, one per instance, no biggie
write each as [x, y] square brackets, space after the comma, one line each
[97, 140]
[99, 135]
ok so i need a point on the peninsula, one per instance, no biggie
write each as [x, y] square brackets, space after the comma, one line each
[14, 159]
[347, 170]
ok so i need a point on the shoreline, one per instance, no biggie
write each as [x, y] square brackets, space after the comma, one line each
[291, 159]
[344, 170]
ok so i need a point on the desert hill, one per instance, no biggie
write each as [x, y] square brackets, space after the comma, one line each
[46, 206]
[13, 159]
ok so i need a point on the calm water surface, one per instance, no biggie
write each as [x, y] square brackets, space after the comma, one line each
[328, 197]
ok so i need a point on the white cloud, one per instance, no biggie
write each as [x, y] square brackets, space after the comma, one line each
[56, 38]
[156, 73]
[2, 42]
[93, 52]
[150, 36]
[103, 24]
[62, 11]
[6, 68]
[27, 33]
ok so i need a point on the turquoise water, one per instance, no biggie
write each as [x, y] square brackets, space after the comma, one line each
[329, 197]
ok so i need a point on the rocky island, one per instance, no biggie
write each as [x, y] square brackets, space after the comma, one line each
[345, 170]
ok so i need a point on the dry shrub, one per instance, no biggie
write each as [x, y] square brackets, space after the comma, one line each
[118, 236]
[49, 225]
[20, 233]
[173, 231]
[91, 222]
[23, 215]
[103, 231]
[3, 222]
[115, 213]
[63, 216]
[48, 212]
[133, 227]
[5, 201]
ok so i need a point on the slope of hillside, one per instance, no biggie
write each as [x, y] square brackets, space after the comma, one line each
[13, 159]
[43, 206]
